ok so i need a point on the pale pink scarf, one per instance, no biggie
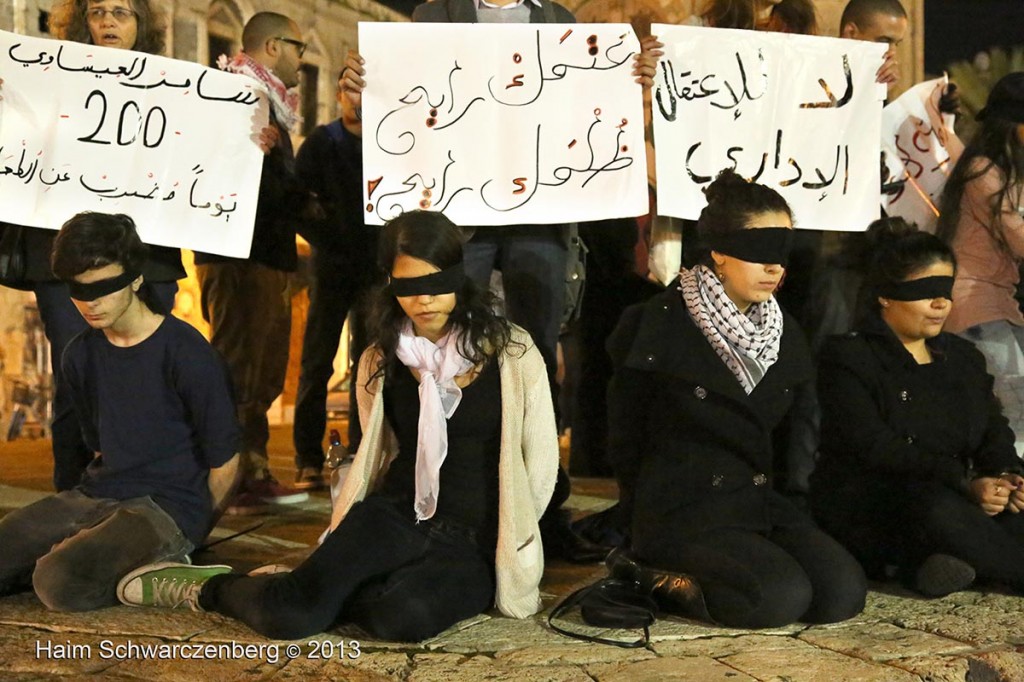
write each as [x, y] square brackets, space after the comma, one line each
[438, 365]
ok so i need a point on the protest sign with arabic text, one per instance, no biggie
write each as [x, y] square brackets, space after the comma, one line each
[168, 142]
[800, 114]
[920, 150]
[502, 124]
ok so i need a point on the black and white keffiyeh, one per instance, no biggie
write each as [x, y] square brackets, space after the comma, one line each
[747, 343]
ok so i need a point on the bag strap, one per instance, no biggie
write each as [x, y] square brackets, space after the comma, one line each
[575, 599]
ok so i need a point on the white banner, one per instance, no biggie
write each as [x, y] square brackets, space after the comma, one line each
[801, 114]
[920, 149]
[170, 143]
[502, 124]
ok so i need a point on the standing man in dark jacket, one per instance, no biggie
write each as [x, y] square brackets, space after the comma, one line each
[330, 163]
[247, 302]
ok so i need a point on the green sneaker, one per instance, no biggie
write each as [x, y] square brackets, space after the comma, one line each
[167, 584]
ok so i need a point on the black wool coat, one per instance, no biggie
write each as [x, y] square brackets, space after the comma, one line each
[689, 447]
[886, 419]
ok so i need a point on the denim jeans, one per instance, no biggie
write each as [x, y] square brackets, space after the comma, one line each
[1002, 344]
[73, 549]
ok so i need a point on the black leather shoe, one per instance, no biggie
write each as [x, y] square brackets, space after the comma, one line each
[560, 542]
[676, 593]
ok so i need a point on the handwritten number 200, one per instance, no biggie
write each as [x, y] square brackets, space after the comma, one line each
[150, 127]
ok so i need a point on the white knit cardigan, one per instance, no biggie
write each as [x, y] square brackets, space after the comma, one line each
[527, 466]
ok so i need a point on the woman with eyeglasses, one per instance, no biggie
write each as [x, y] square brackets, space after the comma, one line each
[120, 24]
[918, 477]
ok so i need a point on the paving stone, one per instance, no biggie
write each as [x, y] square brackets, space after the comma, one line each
[996, 666]
[28, 652]
[936, 668]
[997, 601]
[699, 668]
[576, 654]
[484, 669]
[215, 663]
[890, 606]
[719, 647]
[388, 664]
[497, 634]
[671, 628]
[977, 624]
[813, 665]
[881, 641]
[175, 624]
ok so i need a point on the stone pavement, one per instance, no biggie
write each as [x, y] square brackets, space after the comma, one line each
[972, 636]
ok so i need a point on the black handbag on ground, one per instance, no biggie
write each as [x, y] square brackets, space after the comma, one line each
[609, 603]
[677, 594]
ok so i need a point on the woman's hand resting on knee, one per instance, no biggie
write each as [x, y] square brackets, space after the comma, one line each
[992, 494]
[1016, 483]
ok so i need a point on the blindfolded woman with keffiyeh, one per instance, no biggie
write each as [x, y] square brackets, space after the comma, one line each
[704, 374]
[437, 519]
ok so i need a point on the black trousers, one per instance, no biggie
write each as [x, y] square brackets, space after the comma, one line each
[396, 579]
[750, 579]
[902, 523]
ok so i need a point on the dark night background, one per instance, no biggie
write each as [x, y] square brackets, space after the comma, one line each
[956, 30]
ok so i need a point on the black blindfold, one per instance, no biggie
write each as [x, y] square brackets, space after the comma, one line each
[446, 281]
[94, 290]
[920, 289]
[768, 245]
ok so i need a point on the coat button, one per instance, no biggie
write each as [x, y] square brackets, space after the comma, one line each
[700, 393]
[716, 480]
[665, 307]
[760, 479]
[904, 396]
[650, 358]
[910, 440]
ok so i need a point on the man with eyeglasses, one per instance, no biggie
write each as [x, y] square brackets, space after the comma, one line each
[247, 302]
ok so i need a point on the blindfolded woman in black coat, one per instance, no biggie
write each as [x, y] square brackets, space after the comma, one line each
[704, 373]
[918, 471]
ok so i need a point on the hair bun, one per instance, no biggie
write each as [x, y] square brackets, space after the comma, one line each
[724, 185]
[887, 230]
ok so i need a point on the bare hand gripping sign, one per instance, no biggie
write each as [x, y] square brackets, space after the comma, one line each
[93, 128]
[801, 114]
[502, 124]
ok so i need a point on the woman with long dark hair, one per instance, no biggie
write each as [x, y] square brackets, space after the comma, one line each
[704, 373]
[438, 518]
[918, 474]
[983, 221]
